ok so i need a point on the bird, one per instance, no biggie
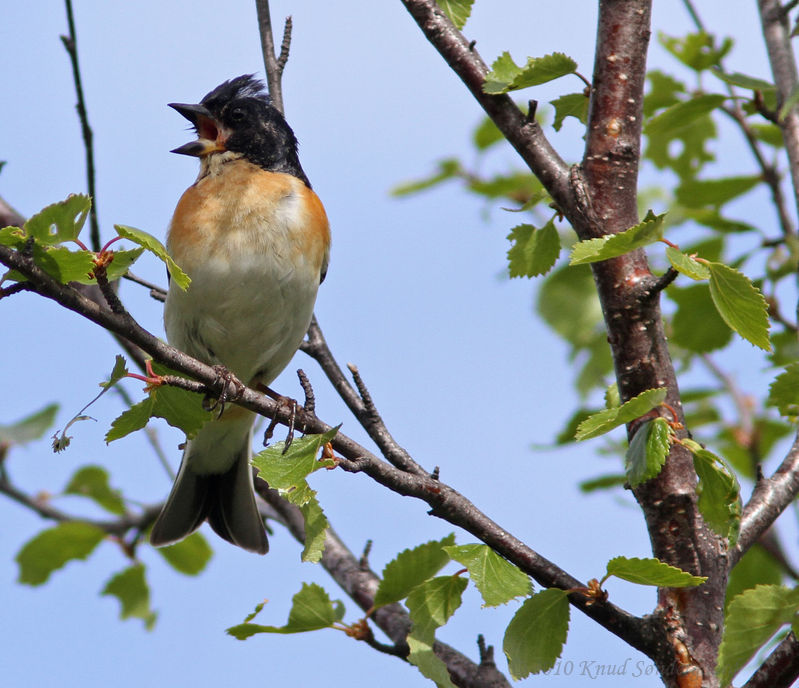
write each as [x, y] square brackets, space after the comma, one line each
[254, 238]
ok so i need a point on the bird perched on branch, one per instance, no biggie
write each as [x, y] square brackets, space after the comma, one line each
[254, 238]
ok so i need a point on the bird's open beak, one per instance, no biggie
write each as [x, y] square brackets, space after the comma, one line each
[210, 136]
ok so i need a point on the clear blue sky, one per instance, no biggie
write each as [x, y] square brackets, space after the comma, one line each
[465, 376]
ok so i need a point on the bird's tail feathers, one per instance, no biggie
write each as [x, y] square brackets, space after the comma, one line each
[225, 499]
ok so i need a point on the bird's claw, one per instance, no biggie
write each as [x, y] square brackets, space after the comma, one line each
[211, 403]
[289, 406]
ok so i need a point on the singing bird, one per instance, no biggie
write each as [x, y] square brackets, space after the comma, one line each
[255, 240]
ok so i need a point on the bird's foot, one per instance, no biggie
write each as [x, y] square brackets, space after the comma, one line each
[211, 403]
[287, 406]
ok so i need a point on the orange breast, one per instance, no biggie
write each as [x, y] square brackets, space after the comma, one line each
[243, 210]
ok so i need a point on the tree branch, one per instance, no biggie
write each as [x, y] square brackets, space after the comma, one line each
[274, 64]
[524, 134]
[777, 35]
[360, 584]
[118, 527]
[71, 44]
[781, 668]
[769, 499]
[446, 503]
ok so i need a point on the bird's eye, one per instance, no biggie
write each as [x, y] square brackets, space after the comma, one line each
[237, 114]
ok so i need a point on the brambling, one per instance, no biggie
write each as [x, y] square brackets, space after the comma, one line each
[255, 240]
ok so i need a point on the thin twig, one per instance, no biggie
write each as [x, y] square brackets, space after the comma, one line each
[310, 397]
[366, 413]
[694, 14]
[156, 291]
[742, 402]
[116, 527]
[789, 6]
[285, 45]
[15, 289]
[664, 281]
[273, 66]
[771, 175]
[71, 44]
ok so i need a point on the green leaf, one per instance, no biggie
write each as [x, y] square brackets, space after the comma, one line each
[696, 193]
[486, 134]
[789, 103]
[534, 251]
[535, 636]
[29, 428]
[53, 548]
[289, 470]
[137, 236]
[697, 325]
[752, 618]
[189, 556]
[432, 603]
[568, 303]
[118, 372]
[570, 105]
[681, 116]
[648, 450]
[311, 610]
[612, 396]
[497, 579]
[447, 169]
[768, 133]
[458, 11]
[180, 408]
[135, 418]
[684, 149]
[316, 525]
[540, 70]
[782, 393]
[602, 482]
[756, 567]
[59, 222]
[696, 50]
[288, 474]
[12, 236]
[428, 663]
[131, 589]
[92, 482]
[604, 421]
[516, 186]
[651, 572]
[503, 71]
[410, 568]
[663, 92]
[506, 76]
[65, 265]
[740, 304]
[687, 265]
[121, 262]
[709, 217]
[719, 493]
[737, 79]
[613, 245]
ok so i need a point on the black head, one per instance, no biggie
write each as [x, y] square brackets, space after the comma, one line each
[238, 116]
